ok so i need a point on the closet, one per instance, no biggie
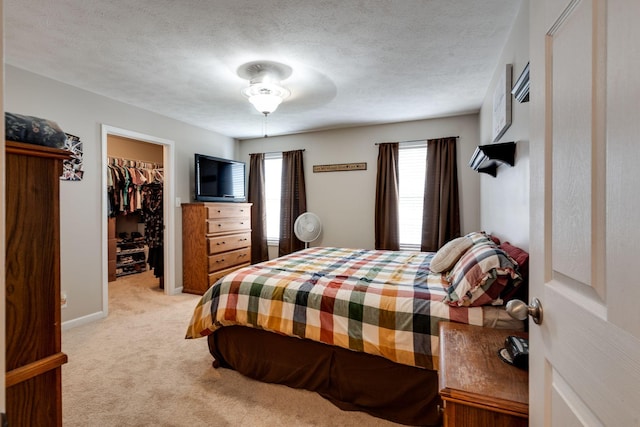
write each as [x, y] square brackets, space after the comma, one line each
[135, 179]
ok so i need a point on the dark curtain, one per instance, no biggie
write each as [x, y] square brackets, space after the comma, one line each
[386, 215]
[259, 250]
[293, 200]
[441, 211]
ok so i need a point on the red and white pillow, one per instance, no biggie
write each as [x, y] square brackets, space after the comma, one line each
[483, 274]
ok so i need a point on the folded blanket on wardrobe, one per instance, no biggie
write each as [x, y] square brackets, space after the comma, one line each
[34, 130]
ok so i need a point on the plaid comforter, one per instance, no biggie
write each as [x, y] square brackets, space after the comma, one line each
[385, 303]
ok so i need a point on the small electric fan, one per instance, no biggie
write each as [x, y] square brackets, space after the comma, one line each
[307, 227]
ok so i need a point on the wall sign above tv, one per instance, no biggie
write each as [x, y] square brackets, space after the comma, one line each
[219, 180]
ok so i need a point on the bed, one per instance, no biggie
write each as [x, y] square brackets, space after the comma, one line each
[359, 327]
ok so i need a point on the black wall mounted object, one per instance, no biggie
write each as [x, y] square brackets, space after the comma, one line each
[487, 158]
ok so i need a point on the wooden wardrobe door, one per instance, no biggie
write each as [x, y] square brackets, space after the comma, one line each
[33, 341]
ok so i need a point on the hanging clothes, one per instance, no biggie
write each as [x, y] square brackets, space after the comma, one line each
[136, 186]
[152, 214]
[126, 180]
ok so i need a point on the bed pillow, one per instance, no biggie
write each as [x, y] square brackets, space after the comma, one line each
[521, 258]
[480, 276]
[449, 254]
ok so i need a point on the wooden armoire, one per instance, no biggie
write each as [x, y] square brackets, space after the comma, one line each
[34, 356]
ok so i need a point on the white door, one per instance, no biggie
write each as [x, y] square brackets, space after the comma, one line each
[585, 212]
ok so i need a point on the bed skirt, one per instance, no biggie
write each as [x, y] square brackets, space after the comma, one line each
[350, 380]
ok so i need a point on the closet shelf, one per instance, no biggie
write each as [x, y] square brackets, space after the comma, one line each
[130, 257]
[130, 251]
[125, 264]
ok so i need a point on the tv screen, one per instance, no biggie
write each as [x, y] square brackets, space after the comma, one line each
[219, 180]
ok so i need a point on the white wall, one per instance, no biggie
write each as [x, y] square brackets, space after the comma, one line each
[82, 113]
[504, 207]
[345, 200]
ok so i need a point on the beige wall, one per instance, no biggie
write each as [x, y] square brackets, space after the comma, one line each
[82, 113]
[131, 149]
[504, 203]
[344, 201]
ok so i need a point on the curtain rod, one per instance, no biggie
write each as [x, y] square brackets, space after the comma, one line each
[274, 152]
[417, 140]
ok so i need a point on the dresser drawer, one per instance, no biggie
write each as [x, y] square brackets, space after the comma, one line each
[229, 259]
[213, 277]
[228, 242]
[215, 226]
[229, 210]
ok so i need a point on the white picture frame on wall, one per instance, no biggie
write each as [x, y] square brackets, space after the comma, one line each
[502, 104]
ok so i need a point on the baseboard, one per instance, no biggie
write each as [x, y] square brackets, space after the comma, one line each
[177, 291]
[83, 320]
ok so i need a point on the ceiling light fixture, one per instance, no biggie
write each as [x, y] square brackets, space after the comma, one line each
[265, 91]
[266, 97]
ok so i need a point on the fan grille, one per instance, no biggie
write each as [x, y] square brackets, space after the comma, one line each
[307, 227]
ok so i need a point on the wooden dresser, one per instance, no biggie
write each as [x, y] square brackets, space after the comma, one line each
[216, 240]
[34, 356]
[477, 387]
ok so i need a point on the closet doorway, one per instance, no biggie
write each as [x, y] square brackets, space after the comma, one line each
[144, 231]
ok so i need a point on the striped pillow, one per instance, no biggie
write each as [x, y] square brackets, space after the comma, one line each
[480, 276]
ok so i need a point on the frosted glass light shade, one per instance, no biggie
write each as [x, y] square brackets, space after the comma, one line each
[265, 103]
[266, 97]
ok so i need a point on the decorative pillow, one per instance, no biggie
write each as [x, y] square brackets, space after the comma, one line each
[480, 276]
[522, 260]
[519, 256]
[449, 254]
[33, 130]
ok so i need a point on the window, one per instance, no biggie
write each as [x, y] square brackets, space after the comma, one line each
[272, 183]
[412, 167]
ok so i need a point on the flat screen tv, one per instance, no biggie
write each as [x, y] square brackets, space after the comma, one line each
[219, 180]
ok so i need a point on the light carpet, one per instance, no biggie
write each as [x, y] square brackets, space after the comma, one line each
[134, 368]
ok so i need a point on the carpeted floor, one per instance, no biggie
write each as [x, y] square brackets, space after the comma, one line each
[135, 368]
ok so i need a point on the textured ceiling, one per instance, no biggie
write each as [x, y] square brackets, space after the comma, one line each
[354, 62]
